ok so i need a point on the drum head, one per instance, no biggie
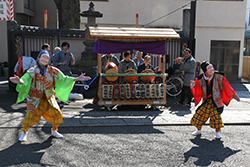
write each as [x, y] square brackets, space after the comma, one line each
[130, 78]
[148, 79]
[131, 71]
[148, 71]
[111, 71]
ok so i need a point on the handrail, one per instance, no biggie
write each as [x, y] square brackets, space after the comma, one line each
[130, 75]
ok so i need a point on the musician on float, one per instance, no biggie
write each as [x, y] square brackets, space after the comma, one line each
[109, 58]
[126, 63]
[106, 58]
[138, 58]
[145, 65]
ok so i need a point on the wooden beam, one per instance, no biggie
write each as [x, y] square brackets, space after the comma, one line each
[109, 103]
[159, 65]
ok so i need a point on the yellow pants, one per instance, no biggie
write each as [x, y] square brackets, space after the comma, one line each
[205, 111]
[49, 113]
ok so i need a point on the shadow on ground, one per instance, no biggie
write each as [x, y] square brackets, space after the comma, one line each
[24, 153]
[207, 151]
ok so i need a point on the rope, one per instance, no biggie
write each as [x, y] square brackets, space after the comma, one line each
[166, 15]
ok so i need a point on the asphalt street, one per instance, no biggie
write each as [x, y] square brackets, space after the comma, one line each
[125, 136]
[140, 146]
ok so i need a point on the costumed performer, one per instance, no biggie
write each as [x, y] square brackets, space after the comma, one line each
[216, 91]
[39, 85]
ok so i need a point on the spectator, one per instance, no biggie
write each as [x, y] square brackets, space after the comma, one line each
[56, 49]
[187, 64]
[64, 59]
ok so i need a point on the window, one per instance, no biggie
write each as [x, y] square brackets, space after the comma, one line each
[225, 57]
[29, 4]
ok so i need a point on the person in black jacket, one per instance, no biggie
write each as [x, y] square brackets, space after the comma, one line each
[146, 64]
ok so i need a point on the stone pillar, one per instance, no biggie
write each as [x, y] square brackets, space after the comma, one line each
[186, 22]
[89, 58]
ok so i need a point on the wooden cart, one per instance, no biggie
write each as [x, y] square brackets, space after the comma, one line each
[116, 40]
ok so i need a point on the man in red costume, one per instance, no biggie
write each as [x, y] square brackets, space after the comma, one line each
[215, 91]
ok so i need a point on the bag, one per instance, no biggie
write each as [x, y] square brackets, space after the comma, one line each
[19, 71]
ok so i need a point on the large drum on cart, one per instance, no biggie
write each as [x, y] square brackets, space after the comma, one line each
[130, 79]
[121, 39]
[111, 68]
[148, 79]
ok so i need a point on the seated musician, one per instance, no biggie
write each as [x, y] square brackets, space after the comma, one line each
[109, 58]
[138, 60]
[105, 59]
[145, 65]
[126, 63]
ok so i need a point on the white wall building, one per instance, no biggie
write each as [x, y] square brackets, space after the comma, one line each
[220, 27]
[248, 15]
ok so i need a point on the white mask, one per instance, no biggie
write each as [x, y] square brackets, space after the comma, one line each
[44, 59]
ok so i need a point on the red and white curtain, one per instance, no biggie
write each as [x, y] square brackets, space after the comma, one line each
[6, 10]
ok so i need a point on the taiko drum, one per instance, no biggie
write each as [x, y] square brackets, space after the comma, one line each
[111, 68]
[149, 78]
[130, 79]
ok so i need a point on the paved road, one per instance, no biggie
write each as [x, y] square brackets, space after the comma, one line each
[142, 146]
[94, 136]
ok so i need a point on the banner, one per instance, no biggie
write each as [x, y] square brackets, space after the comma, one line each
[6, 10]
[106, 46]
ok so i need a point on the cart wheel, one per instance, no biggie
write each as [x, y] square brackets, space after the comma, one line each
[174, 86]
[86, 87]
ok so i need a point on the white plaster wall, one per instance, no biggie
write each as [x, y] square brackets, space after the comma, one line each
[207, 34]
[221, 20]
[123, 13]
[221, 13]
[247, 15]
[3, 41]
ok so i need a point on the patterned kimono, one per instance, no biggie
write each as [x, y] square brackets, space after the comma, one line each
[40, 93]
[215, 94]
